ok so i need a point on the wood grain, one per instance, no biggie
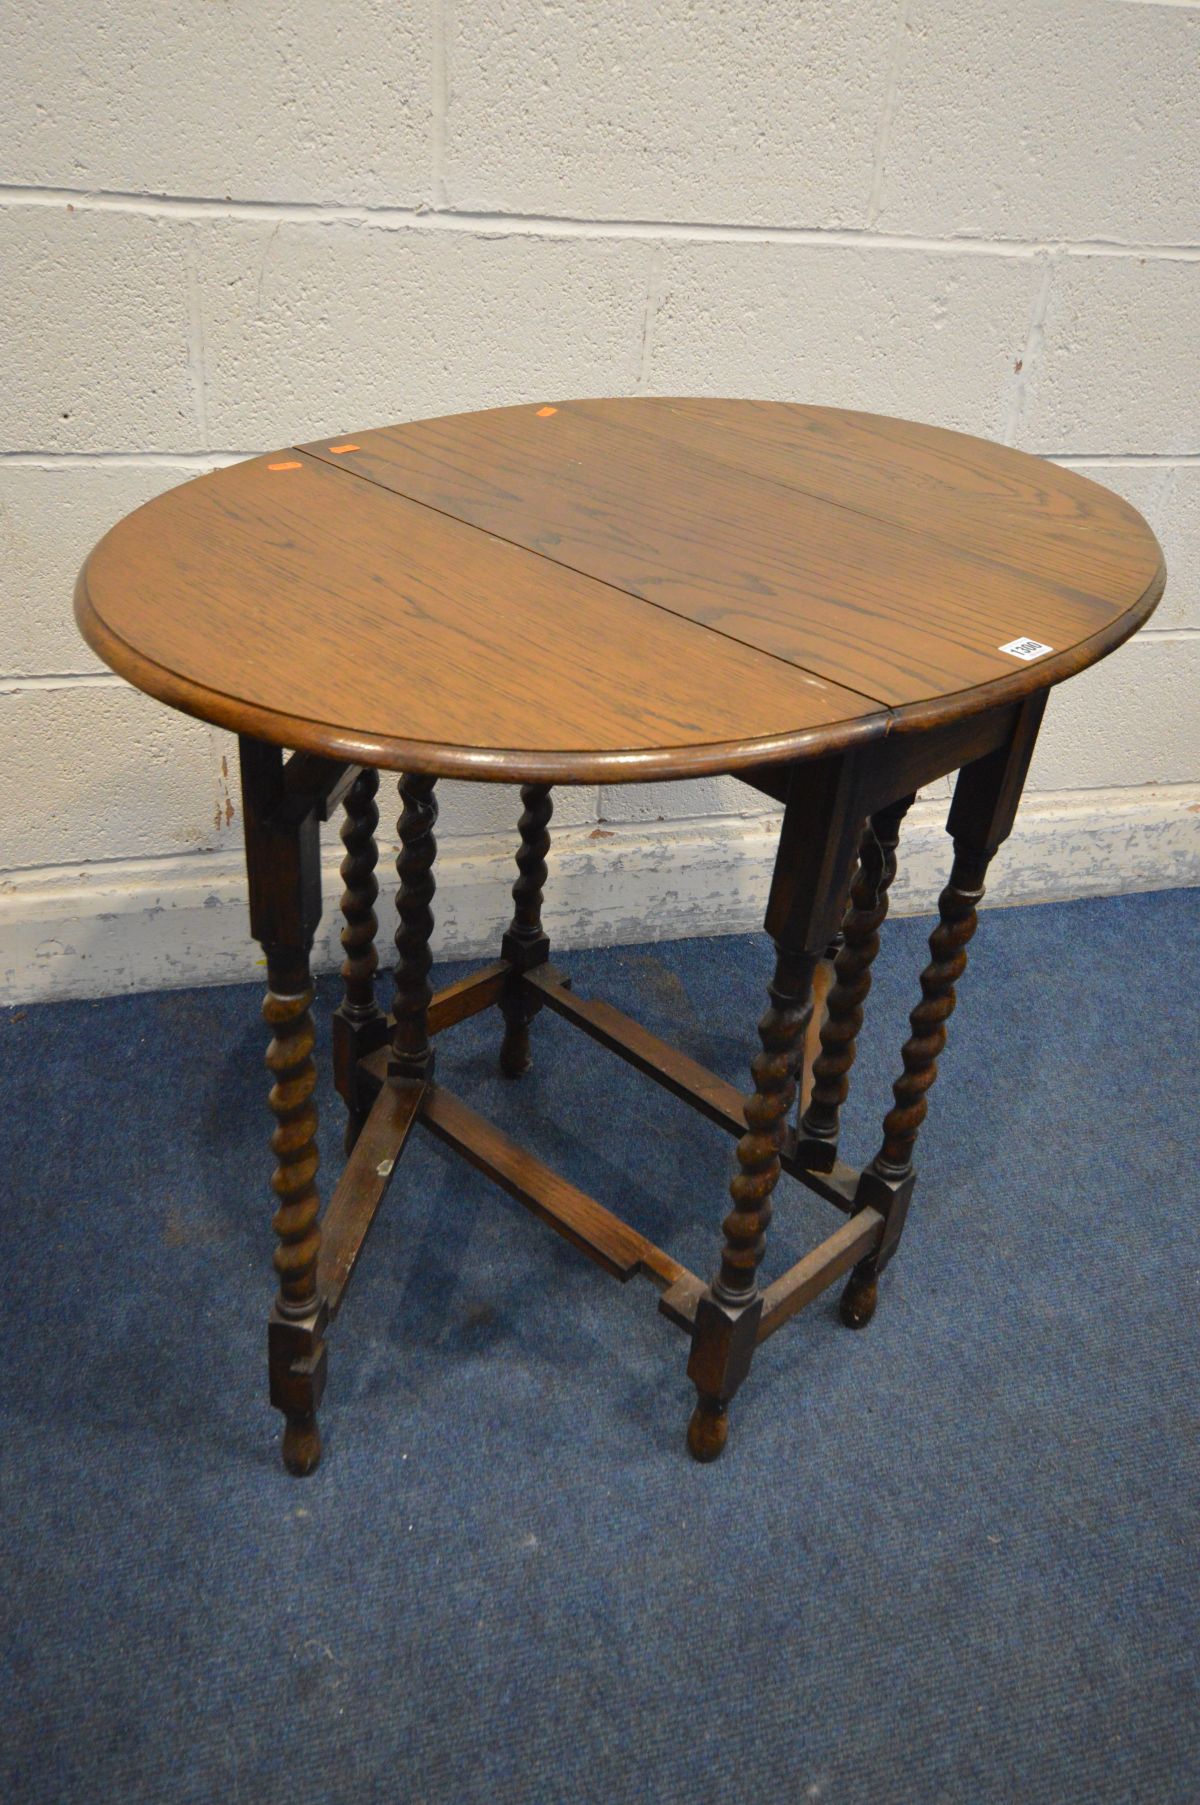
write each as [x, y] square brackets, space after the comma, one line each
[1028, 514]
[615, 590]
[904, 608]
[362, 1188]
[319, 611]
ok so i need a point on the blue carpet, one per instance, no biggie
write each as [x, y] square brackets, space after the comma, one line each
[951, 1558]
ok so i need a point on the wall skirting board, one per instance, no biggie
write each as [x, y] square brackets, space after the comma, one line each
[151, 924]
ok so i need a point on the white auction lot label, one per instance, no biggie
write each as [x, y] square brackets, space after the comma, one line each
[1026, 648]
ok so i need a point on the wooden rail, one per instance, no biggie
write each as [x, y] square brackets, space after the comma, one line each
[818, 1270]
[468, 997]
[684, 1077]
[615, 1246]
[362, 1187]
[580, 1219]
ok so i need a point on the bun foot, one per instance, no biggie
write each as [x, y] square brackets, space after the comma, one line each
[858, 1302]
[515, 1057]
[301, 1445]
[708, 1429]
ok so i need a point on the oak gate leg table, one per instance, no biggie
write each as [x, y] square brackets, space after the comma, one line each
[834, 607]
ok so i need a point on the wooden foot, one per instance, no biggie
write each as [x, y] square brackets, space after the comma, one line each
[526, 943]
[857, 1303]
[301, 1445]
[724, 1337]
[516, 1054]
[708, 1429]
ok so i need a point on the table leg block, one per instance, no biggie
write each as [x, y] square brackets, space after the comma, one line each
[296, 1366]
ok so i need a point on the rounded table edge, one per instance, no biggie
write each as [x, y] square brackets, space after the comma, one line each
[1047, 673]
[482, 764]
[661, 764]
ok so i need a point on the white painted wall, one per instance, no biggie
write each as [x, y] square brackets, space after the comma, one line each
[229, 227]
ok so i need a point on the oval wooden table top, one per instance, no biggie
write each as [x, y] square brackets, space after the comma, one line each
[594, 591]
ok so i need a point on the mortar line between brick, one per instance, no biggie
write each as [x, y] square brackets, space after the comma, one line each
[197, 369]
[214, 460]
[887, 113]
[1027, 363]
[10, 686]
[654, 283]
[1101, 459]
[439, 101]
[565, 226]
[125, 460]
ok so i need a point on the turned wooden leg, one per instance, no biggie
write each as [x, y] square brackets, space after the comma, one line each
[728, 1314]
[526, 943]
[892, 1168]
[852, 980]
[411, 1053]
[284, 868]
[297, 1350]
[359, 1024]
[822, 823]
[986, 796]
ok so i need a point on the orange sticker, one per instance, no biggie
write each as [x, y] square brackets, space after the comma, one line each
[337, 450]
[291, 466]
[545, 412]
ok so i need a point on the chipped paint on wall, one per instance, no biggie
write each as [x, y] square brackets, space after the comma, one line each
[156, 924]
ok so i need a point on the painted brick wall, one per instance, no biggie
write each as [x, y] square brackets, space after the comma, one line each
[224, 228]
